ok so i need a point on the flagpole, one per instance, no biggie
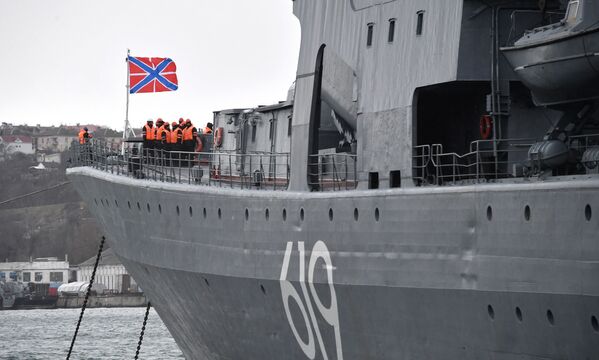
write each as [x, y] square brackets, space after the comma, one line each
[126, 130]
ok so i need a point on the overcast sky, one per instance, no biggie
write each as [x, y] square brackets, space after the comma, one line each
[63, 61]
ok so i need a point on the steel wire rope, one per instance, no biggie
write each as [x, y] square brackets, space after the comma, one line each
[89, 290]
[143, 329]
[35, 192]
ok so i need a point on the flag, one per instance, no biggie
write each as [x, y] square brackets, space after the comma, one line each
[152, 75]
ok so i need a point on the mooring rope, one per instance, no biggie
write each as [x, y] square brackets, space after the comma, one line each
[143, 329]
[89, 290]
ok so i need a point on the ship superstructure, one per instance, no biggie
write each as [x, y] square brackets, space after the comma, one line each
[418, 197]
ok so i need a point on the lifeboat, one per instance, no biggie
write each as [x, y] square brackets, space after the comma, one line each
[559, 63]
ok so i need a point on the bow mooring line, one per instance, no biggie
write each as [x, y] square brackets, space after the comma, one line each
[89, 290]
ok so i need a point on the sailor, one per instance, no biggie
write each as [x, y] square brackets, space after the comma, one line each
[148, 134]
[189, 135]
[208, 129]
[84, 136]
[176, 141]
[159, 138]
[85, 150]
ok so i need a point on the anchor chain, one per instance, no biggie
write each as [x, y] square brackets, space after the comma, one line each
[143, 329]
[89, 290]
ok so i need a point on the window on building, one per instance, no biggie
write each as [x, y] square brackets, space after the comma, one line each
[56, 276]
[271, 129]
[1, 276]
[391, 36]
[26, 277]
[369, 35]
[420, 22]
[38, 277]
[289, 119]
[254, 126]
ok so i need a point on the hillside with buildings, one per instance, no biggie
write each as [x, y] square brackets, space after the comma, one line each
[41, 215]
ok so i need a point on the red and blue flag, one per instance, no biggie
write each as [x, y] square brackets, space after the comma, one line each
[151, 74]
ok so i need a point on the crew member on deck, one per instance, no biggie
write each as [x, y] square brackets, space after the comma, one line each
[189, 135]
[208, 129]
[160, 137]
[84, 136]
[149, 134]
[176, 141]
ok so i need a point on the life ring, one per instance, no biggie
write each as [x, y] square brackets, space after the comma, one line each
[218, 137]
[199, 144]
[486, 126]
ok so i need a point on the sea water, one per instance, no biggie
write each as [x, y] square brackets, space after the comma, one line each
[108, 333]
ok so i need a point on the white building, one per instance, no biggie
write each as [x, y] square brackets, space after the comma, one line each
[12, 144]
[39, 271]
[110, 273]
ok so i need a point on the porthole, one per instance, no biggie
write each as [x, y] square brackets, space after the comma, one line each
[129, 204]
[247, 214]
[266, 214]
[356, 214]
[518, 314]
[220, 214]
[376, 214]
[588, 212]
[302, 214]
[595, 323]
[178, 210]
[148, 207]
[550, 317]
[138, 206]
[284, 214]
[160, 208]
[527, 213]
[330, 214]
[489, 213]
[116, 203]
[491, 312]
[204, 213]
[190, 211]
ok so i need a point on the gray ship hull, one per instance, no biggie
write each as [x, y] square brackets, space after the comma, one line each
[462, 272]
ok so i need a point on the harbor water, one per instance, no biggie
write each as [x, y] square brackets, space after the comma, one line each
[105, 333]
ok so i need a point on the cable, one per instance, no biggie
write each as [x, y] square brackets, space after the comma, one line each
[33, 193]
[89, 290]
[143, 329]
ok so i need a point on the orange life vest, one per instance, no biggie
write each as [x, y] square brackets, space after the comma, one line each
[207, 130]
[83, 138]
[149, 132]
[188, 133]
[176, 136]
[159, 132]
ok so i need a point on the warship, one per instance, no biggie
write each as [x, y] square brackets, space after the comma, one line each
[428, 190]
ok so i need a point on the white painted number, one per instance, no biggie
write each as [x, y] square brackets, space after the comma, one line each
[288, 293]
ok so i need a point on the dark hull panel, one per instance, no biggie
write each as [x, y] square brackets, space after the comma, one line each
[559, 72]
[421, 273]
[217, 317]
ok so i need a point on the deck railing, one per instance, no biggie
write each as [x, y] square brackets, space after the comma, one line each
[252, 170]
[487, 160]
[332, 172]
